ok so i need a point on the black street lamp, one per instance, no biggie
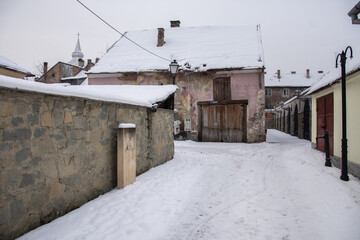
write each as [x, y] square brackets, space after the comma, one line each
[344, 153]
[174, 68]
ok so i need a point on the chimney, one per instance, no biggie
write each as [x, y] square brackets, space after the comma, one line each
[88, 65]
[278, 74]
[175, 23]
[307, 73]
[293, 72]
[81, 62]
[160, 37]
[45, 67]
[97, 60]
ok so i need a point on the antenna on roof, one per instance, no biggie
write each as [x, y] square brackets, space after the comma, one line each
[123, 35]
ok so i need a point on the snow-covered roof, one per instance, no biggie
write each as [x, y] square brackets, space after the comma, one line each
[352, 65]
[292, 79]
[7, 63]
[203, 48]
[80, 75]
[135, 95]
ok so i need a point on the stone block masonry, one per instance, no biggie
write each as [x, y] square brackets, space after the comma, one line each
[57, 153]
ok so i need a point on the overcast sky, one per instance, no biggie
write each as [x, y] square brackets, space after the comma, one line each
[296, 34]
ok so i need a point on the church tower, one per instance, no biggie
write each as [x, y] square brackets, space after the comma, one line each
[77, 54]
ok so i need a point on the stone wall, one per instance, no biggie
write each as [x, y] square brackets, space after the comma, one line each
[57, 153]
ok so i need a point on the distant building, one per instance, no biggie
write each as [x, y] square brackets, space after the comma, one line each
[72, 72]
[281, 87]
[11, 69]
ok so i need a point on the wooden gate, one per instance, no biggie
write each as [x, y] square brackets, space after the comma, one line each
[325, 121]
[223, 121]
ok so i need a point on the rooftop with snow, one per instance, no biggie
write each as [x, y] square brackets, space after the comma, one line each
[145, 96]
[292, 79]
[202, 48]
[352, 66]
[7, 63]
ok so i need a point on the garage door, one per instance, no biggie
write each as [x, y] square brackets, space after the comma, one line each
[325, 121]
[223, 123]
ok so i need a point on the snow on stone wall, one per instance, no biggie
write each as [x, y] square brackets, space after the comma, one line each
[58, 152]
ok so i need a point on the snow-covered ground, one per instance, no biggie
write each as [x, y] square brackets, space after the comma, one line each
[275, 190]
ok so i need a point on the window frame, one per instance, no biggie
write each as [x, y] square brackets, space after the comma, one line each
[286, 90]
[268, 90]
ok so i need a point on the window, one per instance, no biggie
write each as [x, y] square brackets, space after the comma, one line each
[286, 92]
[268, 92]
[222, 89]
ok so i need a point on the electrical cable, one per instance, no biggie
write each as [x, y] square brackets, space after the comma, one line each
[123, 35]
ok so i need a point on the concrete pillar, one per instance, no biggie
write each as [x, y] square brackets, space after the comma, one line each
[126, 155]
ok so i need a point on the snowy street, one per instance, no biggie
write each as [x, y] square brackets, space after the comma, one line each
[274, 190]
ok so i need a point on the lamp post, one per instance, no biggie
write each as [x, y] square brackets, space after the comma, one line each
[344, 153]
[174, 68]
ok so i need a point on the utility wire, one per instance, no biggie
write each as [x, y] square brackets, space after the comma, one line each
[123, 35]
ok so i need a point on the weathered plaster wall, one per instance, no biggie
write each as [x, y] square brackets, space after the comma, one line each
[198, 86]
[56, 153]
[251, 86]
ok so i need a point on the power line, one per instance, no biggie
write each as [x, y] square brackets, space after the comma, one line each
[123, 35]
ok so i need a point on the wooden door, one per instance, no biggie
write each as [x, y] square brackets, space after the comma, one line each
[325, 121]
[223, 123]
[222, 88]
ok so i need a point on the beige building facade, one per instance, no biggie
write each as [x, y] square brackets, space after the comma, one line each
[353, 116]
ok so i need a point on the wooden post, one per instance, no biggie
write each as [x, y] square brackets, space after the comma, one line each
[126, 155]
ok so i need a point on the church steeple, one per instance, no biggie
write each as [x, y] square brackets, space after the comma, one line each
[77, 54]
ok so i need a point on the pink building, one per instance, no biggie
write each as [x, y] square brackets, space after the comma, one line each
[221, 79]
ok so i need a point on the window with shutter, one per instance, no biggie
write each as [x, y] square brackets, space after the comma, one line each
[222, 88]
